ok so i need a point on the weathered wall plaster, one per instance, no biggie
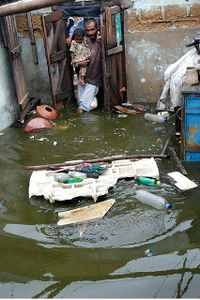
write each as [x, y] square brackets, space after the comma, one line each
[155, 34]
[148, 56]
[8, 99]
[37, 77]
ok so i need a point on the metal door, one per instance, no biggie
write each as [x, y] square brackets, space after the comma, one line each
[113, 52]
[58, 59]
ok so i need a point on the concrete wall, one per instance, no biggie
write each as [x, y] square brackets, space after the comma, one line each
[156, 33]
[37, 77]
[8, 99]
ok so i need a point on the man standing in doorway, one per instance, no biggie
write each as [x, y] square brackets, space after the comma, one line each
[93, 78]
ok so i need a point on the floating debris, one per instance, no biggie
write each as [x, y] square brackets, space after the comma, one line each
[42, 139]
[122, 116]
[148, 252]
[62, 127]
[86, 213]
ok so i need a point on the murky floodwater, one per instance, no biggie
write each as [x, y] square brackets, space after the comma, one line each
[107, 257]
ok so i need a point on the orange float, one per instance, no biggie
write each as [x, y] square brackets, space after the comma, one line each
[46, 112]
[37, 124]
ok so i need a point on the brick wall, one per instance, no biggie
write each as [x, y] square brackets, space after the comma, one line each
[164, 17]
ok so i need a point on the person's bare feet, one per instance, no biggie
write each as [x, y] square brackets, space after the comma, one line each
[80, 111]
[81, 79]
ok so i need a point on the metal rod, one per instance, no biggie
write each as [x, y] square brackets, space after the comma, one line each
[28, 5]
[104, 159]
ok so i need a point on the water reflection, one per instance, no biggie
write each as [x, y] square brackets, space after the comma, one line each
[105, 258]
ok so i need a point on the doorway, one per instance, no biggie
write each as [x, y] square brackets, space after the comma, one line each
[111, 23]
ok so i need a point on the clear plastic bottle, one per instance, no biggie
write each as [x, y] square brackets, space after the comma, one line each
[77, 174]
[148, 252]
[148, 180]
[61, 177]
[152, 200]
[155, 118]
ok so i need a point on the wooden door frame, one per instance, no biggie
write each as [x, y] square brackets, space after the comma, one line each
[108, 49]
[57, 60]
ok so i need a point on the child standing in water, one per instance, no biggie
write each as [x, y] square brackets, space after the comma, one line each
[79, 51]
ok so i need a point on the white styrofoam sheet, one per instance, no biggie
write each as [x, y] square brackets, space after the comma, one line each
[43, 184]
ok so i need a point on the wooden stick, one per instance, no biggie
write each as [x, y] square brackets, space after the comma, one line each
[96, 160]
[166, 145]
[179, 164]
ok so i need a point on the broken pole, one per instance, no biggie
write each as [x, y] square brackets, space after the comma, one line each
[179, 164]
[95, 160]
[166, 145]
[25, 6]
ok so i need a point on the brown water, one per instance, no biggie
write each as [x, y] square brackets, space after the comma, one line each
[108, 259]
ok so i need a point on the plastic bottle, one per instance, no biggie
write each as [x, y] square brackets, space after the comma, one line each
[164, 114]
[77, 174]
[148, 180]
[155, 118]
[74, 180]
[61, 177]
[148, 252]
[152, 200]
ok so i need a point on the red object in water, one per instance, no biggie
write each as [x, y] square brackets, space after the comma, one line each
[37, 124]
[46, 112]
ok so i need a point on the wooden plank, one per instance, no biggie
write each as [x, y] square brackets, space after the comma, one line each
[182, 182]
[58, 58]
[32, 38]
[53, 17]
[86, 213]
[96, 160]
[62, 71]
[32, 102]
[16, 51]
[23, 102]
[123, 58]
[115, 50]
[17, 64]
[102, 20]
[55, 38]
[62, 95]
[126, 110]
[48, 35]
[61, 55]
[115, 10]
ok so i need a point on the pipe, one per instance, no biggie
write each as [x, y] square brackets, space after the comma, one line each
[27, 5]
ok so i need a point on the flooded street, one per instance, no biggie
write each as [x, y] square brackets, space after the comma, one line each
[104, 258]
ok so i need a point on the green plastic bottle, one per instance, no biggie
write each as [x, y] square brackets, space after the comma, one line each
[148, 180]
[73, 180]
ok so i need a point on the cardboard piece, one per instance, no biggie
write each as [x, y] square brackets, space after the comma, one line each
[86, 213]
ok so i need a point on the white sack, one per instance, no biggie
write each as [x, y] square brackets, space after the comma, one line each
[174, 77]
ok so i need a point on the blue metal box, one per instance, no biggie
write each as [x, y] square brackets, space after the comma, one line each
[190, 127]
